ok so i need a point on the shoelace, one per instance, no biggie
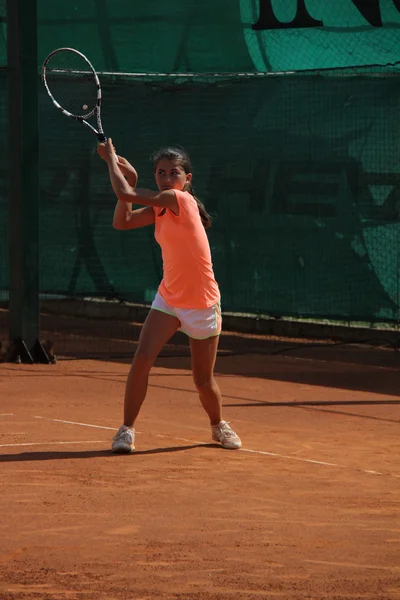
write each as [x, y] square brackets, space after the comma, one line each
[226, 430]
[121, 434]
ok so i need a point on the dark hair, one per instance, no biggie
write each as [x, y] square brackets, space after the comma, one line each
[182, 158]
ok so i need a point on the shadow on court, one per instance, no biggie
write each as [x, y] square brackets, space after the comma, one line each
[86, 454]
[322, 406]
[322, 372]
[318, 371]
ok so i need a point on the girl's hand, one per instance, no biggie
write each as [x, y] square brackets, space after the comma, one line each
[106, 150]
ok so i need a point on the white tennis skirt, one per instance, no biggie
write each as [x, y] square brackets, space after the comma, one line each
[197, 323]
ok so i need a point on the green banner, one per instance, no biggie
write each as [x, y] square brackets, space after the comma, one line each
[293, 35]
[220, 35]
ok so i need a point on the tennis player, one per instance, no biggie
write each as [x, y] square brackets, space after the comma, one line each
[188, 297]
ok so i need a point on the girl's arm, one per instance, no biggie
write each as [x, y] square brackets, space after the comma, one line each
[125, 193]
[126, 218]
[128, 171]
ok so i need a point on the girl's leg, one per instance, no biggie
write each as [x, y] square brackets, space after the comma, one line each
[157, 329]
[204, 354]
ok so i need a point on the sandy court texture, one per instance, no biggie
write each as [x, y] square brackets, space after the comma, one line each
[308, 509]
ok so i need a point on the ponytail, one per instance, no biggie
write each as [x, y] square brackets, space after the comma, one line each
[206, 219]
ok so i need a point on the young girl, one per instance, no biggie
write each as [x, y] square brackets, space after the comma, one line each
[188, 297]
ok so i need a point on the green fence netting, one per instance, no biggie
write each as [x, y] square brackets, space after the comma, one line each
[300, 172]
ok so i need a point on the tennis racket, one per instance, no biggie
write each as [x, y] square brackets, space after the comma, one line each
[74, 87]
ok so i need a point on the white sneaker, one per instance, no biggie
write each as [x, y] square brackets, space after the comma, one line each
[226, 436]
[124, 440]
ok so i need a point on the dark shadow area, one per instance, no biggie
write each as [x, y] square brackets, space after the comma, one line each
[316, 372]
[56, 455]
[321, 406]
[111, 334]
[368, 366]
[305, 404]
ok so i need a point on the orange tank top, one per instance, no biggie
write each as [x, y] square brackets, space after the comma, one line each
[188, 276]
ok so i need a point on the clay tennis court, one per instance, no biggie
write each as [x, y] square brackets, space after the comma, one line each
[308, 509]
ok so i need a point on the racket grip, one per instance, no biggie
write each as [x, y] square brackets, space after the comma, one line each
[102, 139]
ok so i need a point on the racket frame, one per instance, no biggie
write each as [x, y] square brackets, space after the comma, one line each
[99, 132]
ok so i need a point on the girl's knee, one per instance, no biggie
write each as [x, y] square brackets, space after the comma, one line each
[203, 384]
[142, 361]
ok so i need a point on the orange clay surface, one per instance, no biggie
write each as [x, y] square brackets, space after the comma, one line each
[308, 509]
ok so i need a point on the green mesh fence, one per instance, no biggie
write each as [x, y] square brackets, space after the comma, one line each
[300, 173]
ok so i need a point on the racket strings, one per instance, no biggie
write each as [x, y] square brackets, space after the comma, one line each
[73, 85]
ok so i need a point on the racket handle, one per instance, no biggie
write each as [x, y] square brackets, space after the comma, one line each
[102, 139]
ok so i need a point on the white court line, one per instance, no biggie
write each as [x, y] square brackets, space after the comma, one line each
[7, 415]
[261, 452]
[307, 460]
[75, 423]
[49, 444]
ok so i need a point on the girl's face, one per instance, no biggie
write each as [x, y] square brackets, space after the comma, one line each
[170, 175]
